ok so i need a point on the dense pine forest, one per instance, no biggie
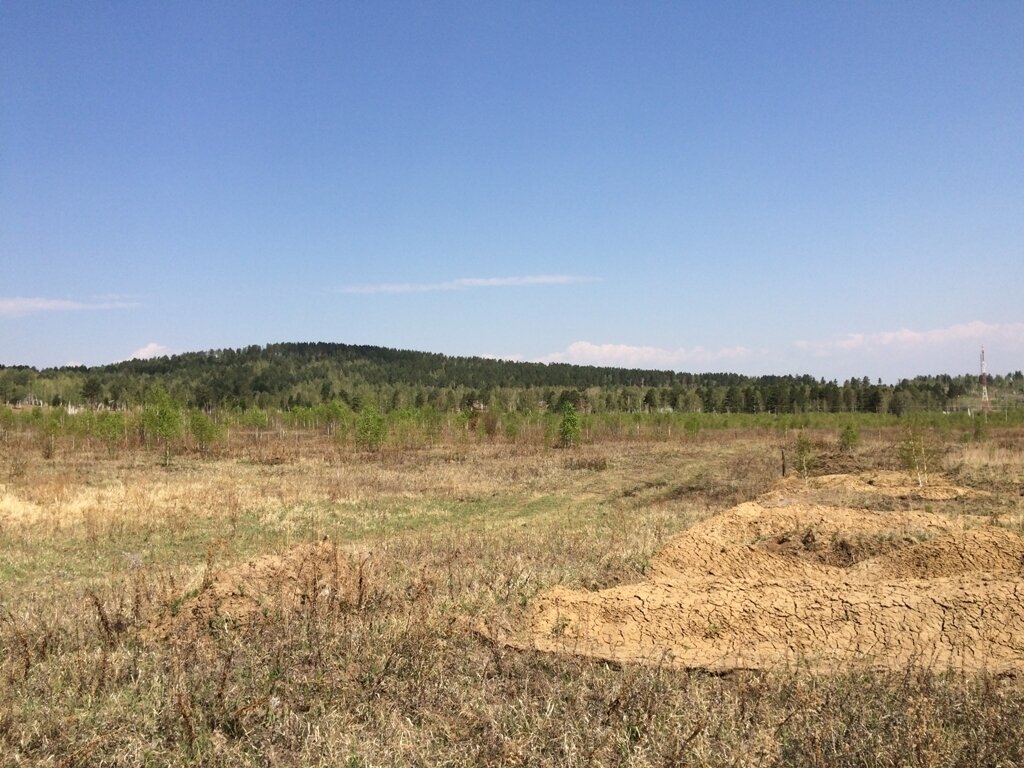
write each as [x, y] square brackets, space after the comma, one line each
[289, 376]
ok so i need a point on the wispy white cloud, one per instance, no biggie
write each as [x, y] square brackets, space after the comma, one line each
[628, 356]
[905, 338]
[466, 283]
[18, 306]
[150, 350]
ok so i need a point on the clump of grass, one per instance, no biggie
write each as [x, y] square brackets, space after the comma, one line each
[586, 463]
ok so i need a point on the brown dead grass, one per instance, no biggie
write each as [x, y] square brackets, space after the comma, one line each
[195, 614]
[270, 588]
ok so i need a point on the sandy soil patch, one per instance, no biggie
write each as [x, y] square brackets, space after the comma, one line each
[784, 581]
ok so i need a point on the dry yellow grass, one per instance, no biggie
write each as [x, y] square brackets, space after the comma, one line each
[375, 660]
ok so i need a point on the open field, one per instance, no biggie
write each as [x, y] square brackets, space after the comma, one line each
[289, 602]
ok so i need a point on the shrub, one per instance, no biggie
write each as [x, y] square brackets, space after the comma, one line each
[918, 455]
[110, 427]
[979, 429]
[370, 429]
[204, 431]
[849, 438]
[569, 431]
[804, 453]
[161, 420]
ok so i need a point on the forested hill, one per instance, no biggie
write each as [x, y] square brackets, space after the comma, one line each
[305, 374]
[276, 363]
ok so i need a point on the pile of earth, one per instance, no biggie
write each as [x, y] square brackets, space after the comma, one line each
[783, 581]
[278, 587]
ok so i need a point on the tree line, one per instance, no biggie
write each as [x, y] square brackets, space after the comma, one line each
[297, 376]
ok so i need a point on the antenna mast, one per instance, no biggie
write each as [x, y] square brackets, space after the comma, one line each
[985, 404]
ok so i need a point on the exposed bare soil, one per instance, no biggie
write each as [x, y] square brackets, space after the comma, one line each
[787, 581]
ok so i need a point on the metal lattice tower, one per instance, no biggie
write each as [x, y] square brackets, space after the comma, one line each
[985, 404]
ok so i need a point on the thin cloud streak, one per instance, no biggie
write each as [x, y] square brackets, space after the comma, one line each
[628, 356]
[466, 283]
[906, 338]
[18, 306]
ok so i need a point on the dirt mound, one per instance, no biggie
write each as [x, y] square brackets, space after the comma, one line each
[763, 585]
[879, 483]
[272, 587]
[966, 623]
[980, 550]
[840, 549]
[750, 539]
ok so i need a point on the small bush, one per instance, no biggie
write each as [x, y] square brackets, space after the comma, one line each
[918, 455]
[161, 420]
[370, 429]
[979, 429]
[849, 438]
[569, 431]
[204, 431]
[804, 453]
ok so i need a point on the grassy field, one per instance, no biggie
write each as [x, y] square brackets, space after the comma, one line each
[115, 650]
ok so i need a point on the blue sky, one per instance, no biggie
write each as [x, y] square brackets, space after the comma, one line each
[824, 188]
